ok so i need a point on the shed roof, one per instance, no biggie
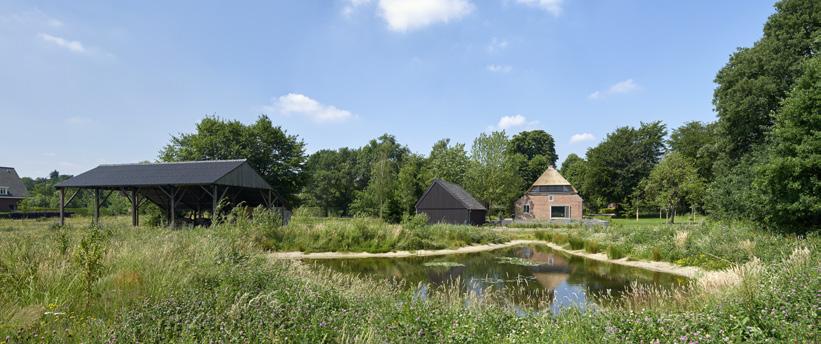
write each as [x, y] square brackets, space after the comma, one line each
[10, 179]
[219, 172]
[458, 193]
[551, 177]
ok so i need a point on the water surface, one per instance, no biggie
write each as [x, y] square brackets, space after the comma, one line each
[532, 275]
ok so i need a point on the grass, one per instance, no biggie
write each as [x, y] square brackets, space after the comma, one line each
[311, 234]
[198, 285]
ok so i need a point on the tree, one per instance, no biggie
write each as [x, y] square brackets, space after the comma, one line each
[755, 80]
[574, 170]
[671, 182]
[331, 179]
[383, 157]
[278, 157]
[616, 166]
[493, 175]
[410, 183]
[789, 178]
[446, 162]
[697, 142]
[538, 150]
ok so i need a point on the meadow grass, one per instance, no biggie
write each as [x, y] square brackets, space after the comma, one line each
[217, 284]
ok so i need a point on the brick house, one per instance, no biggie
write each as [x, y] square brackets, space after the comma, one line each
[551, 197]
[12, 189]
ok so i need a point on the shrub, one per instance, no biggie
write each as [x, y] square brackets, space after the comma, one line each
[560, 238]
[414, 221]
[544, 235]
[656, 253]
[576, 243]
[89, 257]
[591, 246]
[615, 251]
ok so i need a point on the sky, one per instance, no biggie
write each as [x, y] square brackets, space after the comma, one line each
[84, 83]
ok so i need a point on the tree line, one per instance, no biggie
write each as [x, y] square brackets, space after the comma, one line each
[759, 161]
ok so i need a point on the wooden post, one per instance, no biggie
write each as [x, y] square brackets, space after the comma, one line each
[214, 205]
[135, 217]
[62, 206]
[637, 213]
[96, 206]
[173, 197]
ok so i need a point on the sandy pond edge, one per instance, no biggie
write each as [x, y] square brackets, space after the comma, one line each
[665, 267]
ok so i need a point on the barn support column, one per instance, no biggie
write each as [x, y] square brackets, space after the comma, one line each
[135, 208]
[62, 206]
[214, 205]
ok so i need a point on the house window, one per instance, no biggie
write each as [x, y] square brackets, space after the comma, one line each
[526, 209]
[4, 190]
[550, 198]
[561, 211]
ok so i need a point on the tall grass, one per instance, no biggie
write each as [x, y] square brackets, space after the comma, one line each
[203, 285]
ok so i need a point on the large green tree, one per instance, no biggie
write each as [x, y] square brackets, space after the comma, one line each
[574, 170]
[493, 176]
[626, 156]
[331, 180]
[672, 182]
[381, 158]
[754, 82]
[790, 177]
[275, 155]
[538, 151]
[446, 161]
[410, 183]
[697, 142]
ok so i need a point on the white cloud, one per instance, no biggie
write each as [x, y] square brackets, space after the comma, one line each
[512, 122]
[499, 68]
[352, 5]
[406, 15]
[73, 46]
[553, 7]
[620, 87]
[298, 104]
[583, 137]
[496, 45]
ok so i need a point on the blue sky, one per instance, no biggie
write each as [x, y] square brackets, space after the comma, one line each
[90, 82]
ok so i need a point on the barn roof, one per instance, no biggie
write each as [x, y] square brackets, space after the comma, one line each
[550, 177]
[458, 193]
[10, 179]
[217, 172]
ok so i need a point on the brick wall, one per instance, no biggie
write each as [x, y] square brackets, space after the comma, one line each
[540, 206]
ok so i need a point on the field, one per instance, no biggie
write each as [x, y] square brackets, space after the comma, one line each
[119, 284]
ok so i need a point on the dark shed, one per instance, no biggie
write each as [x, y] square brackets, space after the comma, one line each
[192, 187]
[445, 202]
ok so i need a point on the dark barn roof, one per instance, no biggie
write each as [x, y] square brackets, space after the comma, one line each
[10, 179]
[457, 192]
[217, 172]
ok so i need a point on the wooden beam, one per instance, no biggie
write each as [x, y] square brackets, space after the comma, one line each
[96, 218]
[135, 208]
[71, 198]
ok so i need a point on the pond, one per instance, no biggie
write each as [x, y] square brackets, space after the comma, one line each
[528, 275]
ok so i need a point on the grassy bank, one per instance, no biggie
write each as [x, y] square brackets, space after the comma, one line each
[160, 285]
[706, 244]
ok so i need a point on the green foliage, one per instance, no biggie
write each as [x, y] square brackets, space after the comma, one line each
[754, 82]
[446, 162]
[410, 184]
[696, 141]
[615, 167]
[673, 181]
[788, 179]
[615, 251]
[415, 221]
[576, 242]
[591, 246]
[537, 150]
[331, 180]
[89, 257]
[493, 176]
[275, 155]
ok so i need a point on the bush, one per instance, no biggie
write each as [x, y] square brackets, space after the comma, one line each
[591, 246]
[615, 251]
[414, 221]
[544, 235]
[576, 243]
[607, 210]
[560, 238]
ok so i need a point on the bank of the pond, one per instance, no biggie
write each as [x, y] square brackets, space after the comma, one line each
[664, 267]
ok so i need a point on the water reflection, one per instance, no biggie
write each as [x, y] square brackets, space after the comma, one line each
[526, 275]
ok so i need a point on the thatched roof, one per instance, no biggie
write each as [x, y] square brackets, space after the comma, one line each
[550, 177]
